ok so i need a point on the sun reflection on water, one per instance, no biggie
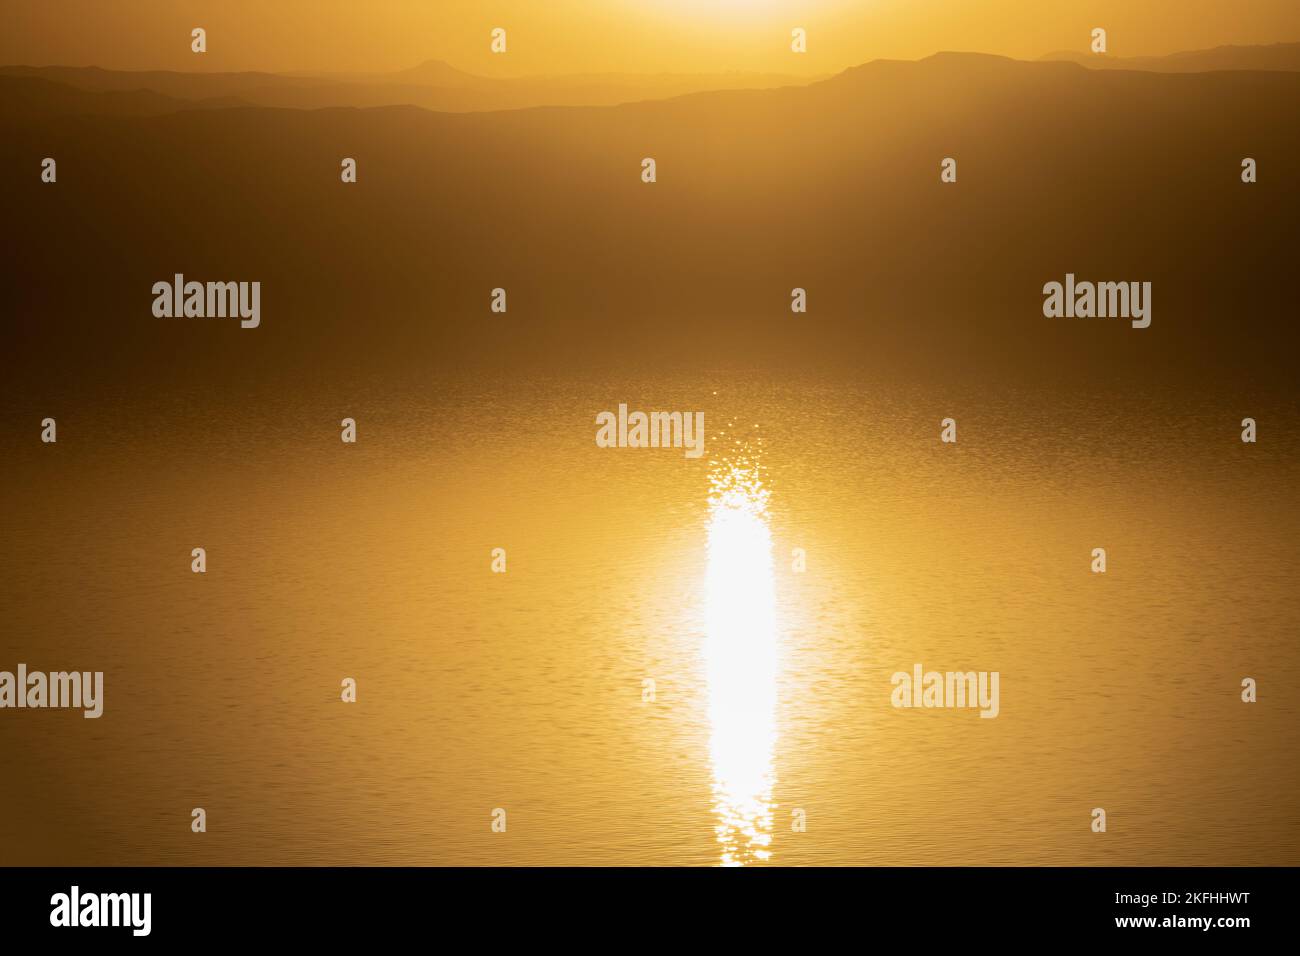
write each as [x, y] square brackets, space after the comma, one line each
[741, 659]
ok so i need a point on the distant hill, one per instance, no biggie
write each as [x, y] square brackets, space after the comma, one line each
[34, 97]
[833, 187]
[1276, 56]
[181, 86]
[432, 85]
[431, 73]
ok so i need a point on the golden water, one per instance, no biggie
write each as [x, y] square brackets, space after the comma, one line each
[525, 690]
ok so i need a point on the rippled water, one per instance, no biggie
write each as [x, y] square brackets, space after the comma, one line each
[770, 703]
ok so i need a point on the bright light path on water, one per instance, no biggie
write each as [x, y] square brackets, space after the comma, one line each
[741, 660]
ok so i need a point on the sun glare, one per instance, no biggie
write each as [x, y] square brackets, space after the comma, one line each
[741, 660]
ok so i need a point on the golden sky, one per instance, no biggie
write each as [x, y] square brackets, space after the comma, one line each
[566, 36]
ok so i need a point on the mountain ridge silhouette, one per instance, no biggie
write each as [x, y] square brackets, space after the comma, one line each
[833, 187]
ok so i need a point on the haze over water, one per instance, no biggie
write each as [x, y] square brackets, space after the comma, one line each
[524, 690]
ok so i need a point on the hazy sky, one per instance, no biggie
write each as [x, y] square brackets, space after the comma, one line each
[563, 36]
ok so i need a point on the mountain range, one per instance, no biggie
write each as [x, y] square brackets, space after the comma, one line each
[438, 86]
[832, 186]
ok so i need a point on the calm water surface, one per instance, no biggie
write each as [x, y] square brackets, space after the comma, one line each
[771, 689]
